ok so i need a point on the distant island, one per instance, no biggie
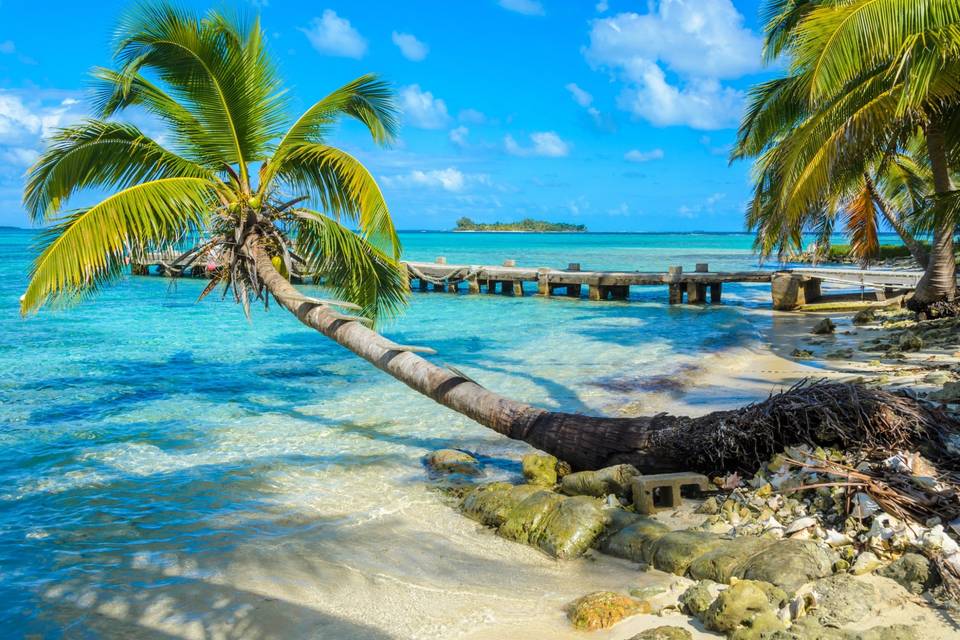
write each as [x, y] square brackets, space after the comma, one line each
[527, 224]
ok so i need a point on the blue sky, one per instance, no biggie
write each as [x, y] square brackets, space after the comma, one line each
[616, 114]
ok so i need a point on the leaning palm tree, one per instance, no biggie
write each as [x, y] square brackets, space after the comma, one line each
[865, 77]
[270, 200]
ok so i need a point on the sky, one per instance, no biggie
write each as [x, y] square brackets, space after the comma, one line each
[616, 114]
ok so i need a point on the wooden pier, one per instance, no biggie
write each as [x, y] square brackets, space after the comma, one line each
[789, 288]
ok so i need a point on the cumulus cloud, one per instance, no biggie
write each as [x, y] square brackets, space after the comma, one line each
[459, 135]
[420, 109]
[23, 123]
[334, 36]
[602, 6]
[543, 143]
[19, 156]
[673, 60]
[635, 155]
[580, 96]
[449, 179]
[526, 7]
[410, 46]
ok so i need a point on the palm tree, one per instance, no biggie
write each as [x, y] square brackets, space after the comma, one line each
[237, 177]
[865, 78]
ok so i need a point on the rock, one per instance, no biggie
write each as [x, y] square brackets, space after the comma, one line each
[824, 327]
[910, 341]
[950, 393]
[599, 483]
[842, 599]
[747, 604]
[645, 593]
[710, 506]
[527, 516]
[490, 504]
[697, 599]
[810, 629]
[571, 528]
[865, 563]
[893, 632]
[802, 354]
[788, 564]
[720, 563]
[937, 377]
[447, 461]
[631, 541]
[664, 633]
[913, 571]
[675, 551]
[865, 316]
[540, 468]
[603, 609]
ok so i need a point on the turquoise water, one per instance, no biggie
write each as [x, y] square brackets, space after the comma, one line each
[169, 469]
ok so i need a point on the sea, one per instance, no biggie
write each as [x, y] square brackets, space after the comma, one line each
[171, 469]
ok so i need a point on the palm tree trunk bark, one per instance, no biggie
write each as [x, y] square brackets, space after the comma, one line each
[939, 282]
[661, 443]
[916, 249]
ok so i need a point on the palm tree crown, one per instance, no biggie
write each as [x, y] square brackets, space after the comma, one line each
[233, 170]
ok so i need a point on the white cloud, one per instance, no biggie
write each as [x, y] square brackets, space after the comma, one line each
[472, 116]
[459, 135]
[635, 155]
[449, 179]
[526, 7]
[420, 109]
[335, 36]
[580, 96]
[410, 47]
[25, 124]
[544, 143]
[697, 43]
[19, 156]
[602, 6]
[707, 206]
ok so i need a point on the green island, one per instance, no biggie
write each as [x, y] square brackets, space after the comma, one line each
[527, 224]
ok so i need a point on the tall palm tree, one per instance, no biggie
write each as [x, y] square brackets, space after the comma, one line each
[865, 77]
[236, 176]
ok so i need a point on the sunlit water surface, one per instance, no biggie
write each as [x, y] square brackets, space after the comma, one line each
[169, 469]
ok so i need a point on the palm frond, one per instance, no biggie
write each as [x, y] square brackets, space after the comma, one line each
[861, 225]
[87, 248]
[343, 188]
[355, 269]
[99, 154]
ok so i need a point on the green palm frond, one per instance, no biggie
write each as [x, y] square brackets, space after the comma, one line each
[356, 270]
[87, 248]
[343, 188]
[231, 90]
[99, 154]
[774, 108]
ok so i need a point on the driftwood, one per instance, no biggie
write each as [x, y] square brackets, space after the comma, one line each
[829, 414]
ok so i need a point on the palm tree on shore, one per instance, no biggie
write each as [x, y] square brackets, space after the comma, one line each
[865, 79]
[272, 199]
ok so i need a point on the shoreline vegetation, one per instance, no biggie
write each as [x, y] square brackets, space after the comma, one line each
[527, 225]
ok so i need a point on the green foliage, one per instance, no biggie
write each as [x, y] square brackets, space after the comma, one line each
[527, 224]
[212, 85]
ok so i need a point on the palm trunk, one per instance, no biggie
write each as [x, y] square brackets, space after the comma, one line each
[939, 282]
[917, 250]
[660, 443]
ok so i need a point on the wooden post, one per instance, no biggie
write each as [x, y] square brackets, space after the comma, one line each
[491, 286]
[702, 267]
[543, 283]
[716, 289]
[509, 263]
[595, 292]
[473, 285]
[676, 294]
[696, 293]
[518, 288]
[573, 266]
[441, 260]
[453, 287]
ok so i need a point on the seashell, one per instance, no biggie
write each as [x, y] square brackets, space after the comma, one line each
[799, 524]
[836, 539]
[798, 608]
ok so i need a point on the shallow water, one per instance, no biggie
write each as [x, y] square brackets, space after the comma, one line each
[168, 469]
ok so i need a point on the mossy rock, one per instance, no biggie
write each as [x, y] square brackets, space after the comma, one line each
[865, 316]
[721, 563]
[599, 483]
[913, 571]
[526, 517]
[664, 633]
[675, 551]
[788, 564]
[571, 528]
[540, 468]
[491, 503]
[748, 606]
[603, 609]
[450, 461]
[950, 393]
[631, 540]
[824, 327]
[843, 599]
[910, 341]
[697, 599]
